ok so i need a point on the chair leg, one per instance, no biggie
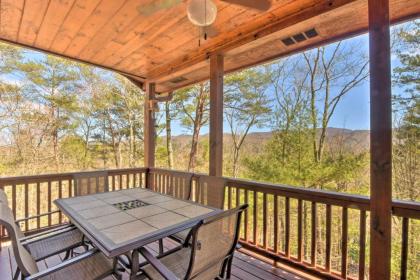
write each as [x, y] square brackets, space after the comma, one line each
[229, 268]
[160, 247]
[66, 257]
[17, 273]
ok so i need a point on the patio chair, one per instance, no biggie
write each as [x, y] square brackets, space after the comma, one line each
[3, 197]
[89, 265]
[90, 182]
[209, 256]
[208, 191]
[50, 242]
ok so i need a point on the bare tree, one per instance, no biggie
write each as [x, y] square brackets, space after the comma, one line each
[333, 72]
[193, 106]
[246, 105]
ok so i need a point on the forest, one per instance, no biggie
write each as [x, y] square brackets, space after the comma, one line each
[58, 116]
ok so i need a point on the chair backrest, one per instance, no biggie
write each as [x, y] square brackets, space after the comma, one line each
[210, 191]
[214, 242]
[5, 201]
[3, 197]
[90, 182]
[24, 260]
[174, 183]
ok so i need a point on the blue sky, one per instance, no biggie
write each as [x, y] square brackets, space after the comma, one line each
[352, 112]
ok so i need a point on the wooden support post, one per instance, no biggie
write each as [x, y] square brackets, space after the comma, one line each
[149, 126]
[216, 115]
[380, 140]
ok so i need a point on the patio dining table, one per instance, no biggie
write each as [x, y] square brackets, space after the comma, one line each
[119, 222]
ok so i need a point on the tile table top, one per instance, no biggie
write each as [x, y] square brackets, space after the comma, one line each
[120, 221]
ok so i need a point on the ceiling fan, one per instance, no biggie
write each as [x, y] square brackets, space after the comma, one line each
[202, 13]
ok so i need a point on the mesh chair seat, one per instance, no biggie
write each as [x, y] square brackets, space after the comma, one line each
[177, 262]
[55, 243]
[95, 267]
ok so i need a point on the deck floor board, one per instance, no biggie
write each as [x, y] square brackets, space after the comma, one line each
[244, 267]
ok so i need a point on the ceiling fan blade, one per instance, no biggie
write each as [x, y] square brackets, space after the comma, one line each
[262, 5]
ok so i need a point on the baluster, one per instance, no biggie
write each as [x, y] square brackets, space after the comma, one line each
[328, 240]
[127, 177]
[229, 197]
[97, 183]
[135, 180]
[255, 218]
[60, 195]
[49, 203]
[14, 200]
[362, 244]
[265, 220]
[404, 248]
[70, 188]
[113, 182]
[276, 224]
[300, 226]
[26, 207]
[141, 179]
[120, 182]
[246, 216]
[313, 233]
[237, 196]
[344, 231]
[38, 205]
[287, 231]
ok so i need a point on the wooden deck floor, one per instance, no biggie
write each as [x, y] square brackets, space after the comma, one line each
[244, 266]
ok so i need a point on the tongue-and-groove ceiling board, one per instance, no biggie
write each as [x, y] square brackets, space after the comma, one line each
[153, 39]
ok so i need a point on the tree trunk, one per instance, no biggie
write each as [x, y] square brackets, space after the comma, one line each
[199, 112]
[235, 162]
[132, 140]
[169, 148]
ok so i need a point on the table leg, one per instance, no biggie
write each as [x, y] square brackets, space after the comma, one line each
[134, 264]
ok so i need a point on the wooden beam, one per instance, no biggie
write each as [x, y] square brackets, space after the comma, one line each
[216, 115]
[249, 33]
[149, 126]
[380, 140]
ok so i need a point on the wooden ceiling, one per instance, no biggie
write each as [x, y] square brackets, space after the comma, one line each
[146, 39]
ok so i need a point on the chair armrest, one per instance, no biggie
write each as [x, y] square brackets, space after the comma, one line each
[62, 265]
[158, 265]
[46, 234]
[36, 216]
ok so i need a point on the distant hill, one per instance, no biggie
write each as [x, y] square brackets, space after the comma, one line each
[357, 139]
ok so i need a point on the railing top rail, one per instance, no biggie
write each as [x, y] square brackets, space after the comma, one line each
[168, 171]
[63, 176]
[410, 209]
[327, 197]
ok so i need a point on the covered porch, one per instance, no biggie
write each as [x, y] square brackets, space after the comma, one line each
[123, 37]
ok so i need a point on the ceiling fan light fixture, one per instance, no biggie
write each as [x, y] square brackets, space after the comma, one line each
[202, 12]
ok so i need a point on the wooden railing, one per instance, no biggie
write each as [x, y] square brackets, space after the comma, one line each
[31, 197]
[297, 226]
[324, 233]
